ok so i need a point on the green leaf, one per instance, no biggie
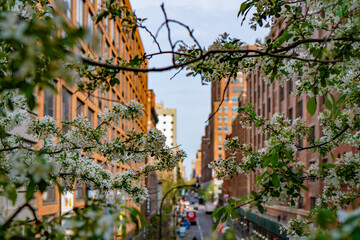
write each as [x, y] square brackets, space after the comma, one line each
[261, 209]
[12, 195]
[332, 156]
[234, 213]
[304, 187]
[275, 158]
[311, 106]
[245, 198]
[328, 104]
[30, 191]
[275, 180]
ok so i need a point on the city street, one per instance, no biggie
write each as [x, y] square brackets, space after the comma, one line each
[202, 230]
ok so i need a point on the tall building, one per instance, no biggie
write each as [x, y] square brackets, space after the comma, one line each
[69, 103]
[224, 105]
[167, 125]
[198, 165]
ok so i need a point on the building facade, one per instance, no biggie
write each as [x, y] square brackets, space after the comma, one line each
[69, 103]
[167, 125]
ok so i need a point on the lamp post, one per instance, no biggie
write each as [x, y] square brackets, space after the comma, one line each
[195, 185]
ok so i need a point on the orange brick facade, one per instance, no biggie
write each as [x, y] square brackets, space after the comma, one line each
[68, 103]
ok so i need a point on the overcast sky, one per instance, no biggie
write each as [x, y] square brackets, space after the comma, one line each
[208, 18]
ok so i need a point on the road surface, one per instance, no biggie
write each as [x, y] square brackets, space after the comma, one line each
[202, 230]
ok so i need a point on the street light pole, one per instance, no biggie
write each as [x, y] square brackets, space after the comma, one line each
[195, 185]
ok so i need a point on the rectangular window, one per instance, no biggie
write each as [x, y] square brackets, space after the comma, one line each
[220, 109]
[226, 99]
[226, 128]
[237, 89]
[100, 94]
[68, 8]
[300, 109]
[80, 191]
[220, 148]
[312, 135]
[79, 12]
[235, 99]
[290, 84]
[234, 109]
[312, 178]
[91, 115]
[312, 202]
[219, 128]
[49, 103]
[225, 118]
[269, 104]
[301, 202]
[79, 107]
[101, 41]
[219, 118]
[90, 23]
[49, 196]
[226, 109]
[66, 106]
[290, 114]
[220, 138]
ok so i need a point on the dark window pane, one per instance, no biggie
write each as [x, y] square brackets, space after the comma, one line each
[49, 196]
[49, 103]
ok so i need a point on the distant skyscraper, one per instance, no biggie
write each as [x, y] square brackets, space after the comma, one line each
[167, 123]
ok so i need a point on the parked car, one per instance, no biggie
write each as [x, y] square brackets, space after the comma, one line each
[209, 207]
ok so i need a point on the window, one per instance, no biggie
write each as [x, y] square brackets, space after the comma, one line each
[220, 148]
[226, 128]
[219, 118]
[312, 202]
[90, 23]
[290, 84]
[220, 109]
[263, 110]
[234, 109]
[282, 93]
[269, 104]
[91, 114]
[312, 135]
[301, 202]
[225, 118]
[49, 196]
[68, 8]
[99, 4]
[235, 99]
[237, 89]
[300, 109]
[226, 109]
[312, 179]
[79, 107]
[79, 12]
[100, 94]
[66, 106]
[49, 103]
[226, 99]
[219, 128]
[233, 117]
[290, 114]
[300, 141]
[220, 138]
[80, 191]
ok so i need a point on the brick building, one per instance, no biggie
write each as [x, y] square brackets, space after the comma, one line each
[68, 103]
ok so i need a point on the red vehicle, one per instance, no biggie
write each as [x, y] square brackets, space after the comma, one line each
[191, 217]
